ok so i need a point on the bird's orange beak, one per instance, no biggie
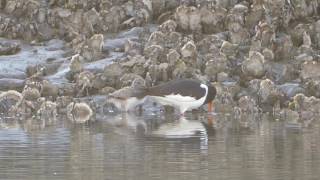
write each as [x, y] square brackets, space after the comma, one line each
[210, 106]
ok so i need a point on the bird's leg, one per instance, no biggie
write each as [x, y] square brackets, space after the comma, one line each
[210, 107]
[210, 120]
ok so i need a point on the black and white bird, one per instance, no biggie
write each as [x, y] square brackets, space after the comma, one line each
[183, 94]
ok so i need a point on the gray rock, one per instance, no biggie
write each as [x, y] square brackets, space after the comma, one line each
[291, 89]
[8, 83]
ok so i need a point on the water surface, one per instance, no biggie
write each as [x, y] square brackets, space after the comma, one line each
[159, 146]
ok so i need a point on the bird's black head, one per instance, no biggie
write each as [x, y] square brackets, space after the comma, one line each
[212, 91]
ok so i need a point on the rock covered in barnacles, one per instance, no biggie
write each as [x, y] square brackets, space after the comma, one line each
[268, 54]
[91, 50]
[159, 72]
[306, 43]
[9, 100]
[247, 104]
[217, 63]
[254, 65]
[297, 33]
[8, 48]
[229, 49]
[188, 18]
[132, 47]
[310, 70]
[282, 47]
[136, 65]
[79, 112]
[31, 93]
[189, 50]
[168, 26]
[156, 38]
[212, 19]
[139, 13]
[47, 110]
[210, 42]
[302, 103]
[255, 15]
[106, 90]
[49, 90]
[235, 24]
[254, 86]
[312, 87]
[67, 89]
[172, 57]
[76, 63]
[154, 52]
[316, 35]
[112, 73]
[99, 81]
[127, 79]
[269, 94]
[304, 8]
[84, 82]
[264, 33]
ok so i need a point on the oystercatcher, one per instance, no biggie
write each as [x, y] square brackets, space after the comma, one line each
[183, 94]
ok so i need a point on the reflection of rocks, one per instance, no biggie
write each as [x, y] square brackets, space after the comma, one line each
[47, 111]
[9, 100]
[182, 128]
[79, 112]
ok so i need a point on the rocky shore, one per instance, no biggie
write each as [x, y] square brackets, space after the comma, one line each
[262, 55]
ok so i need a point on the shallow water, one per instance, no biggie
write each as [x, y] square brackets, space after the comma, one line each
[159, 146]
